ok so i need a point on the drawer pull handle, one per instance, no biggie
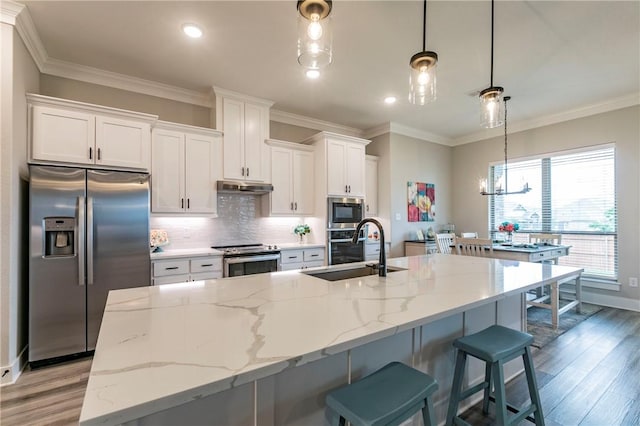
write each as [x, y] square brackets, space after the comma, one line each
[293, 257]
[315, 255]
[170, 268]
[206, 264]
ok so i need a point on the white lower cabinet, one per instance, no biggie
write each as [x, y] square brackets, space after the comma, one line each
[180, 270]
[301, 258]
[372, 250]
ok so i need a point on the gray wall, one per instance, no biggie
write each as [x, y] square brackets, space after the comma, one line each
[403, 159]
[620, 127]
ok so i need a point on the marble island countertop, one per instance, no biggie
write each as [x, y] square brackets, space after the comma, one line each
[160, 347]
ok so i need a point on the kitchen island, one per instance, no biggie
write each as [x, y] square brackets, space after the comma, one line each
[265, 349]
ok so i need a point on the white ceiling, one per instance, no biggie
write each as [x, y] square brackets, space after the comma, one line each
[554, 58]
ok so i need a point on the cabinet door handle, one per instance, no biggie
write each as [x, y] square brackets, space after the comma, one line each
[296, 205]
[243, 171]
[170, 268]
[247, 172]
[314, 255]
[292, 205]
[188, 203]
[99, 154]
[367, 207]
[292, 257]
[90, 153]
[346, 188]
[207, 264]
[349, 189]
[182, 203]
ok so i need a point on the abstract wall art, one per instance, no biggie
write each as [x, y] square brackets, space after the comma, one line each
[421, 200]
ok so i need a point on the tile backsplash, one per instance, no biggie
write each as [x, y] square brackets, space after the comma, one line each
[239, 221]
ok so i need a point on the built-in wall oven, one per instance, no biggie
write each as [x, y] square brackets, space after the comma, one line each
[341, 249]
[248, 259]
[343, 216]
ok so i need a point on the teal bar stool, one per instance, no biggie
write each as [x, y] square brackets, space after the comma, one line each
[387, 397]
[495, 346]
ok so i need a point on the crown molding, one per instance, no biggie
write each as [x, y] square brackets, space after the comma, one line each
[93, 75]
[239, 96]
[411, 132]
[9, 10]
[18, 15]
[586, 111]
[312, 123]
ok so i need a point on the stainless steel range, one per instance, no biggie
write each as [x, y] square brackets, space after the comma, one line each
[247, 259]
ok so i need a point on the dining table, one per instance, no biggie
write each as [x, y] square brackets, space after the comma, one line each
[540, 253]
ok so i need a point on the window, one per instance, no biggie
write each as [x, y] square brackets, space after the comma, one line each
[572, 194]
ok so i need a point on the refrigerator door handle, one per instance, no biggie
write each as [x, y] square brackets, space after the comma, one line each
[90, 240]
[80, 240]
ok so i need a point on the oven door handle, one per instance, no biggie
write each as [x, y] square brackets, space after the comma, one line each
[247, 259]
[346, 240]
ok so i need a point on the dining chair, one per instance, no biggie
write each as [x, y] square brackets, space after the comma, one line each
[469, 234]
[444, 242]
[554, 239]
[474, 247]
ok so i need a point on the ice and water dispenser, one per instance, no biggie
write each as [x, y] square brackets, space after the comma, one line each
[59, 234]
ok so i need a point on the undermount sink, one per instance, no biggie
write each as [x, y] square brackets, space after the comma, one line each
[345, 274]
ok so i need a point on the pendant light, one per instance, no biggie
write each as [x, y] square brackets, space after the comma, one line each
[491, 98]
[314, 34]
[499, 190]
[422, 78]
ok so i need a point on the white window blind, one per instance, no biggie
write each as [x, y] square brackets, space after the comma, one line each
[573, 195]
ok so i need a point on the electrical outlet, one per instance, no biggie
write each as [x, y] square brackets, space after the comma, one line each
[633, 282]
[186, 233]
[398, 216]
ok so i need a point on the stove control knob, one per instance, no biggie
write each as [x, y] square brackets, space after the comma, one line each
[275, 247]
[268, 247]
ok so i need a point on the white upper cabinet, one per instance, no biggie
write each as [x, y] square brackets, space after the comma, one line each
[371, 186]
[340, 162]
[245, 123]
[64, 131]
[292, 177]
[186, 164]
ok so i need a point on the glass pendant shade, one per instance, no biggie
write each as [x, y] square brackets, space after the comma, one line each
[422, 78]
[315, 36]
[491, 107]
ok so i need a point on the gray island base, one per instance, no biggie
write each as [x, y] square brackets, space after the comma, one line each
[266, 349]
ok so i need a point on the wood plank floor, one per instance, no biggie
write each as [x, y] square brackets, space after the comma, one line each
[588, 376]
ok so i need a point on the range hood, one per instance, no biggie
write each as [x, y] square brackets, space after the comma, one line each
[229, 186]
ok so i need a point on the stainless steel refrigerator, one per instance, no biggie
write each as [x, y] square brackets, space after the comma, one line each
[89, 233]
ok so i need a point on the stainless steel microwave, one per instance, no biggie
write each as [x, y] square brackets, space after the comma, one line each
[344, 212]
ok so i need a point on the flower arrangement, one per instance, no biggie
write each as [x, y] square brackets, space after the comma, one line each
[302, 230]
[508, 227]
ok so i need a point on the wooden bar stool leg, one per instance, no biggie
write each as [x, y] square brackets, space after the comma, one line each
[501, 397]
[533, 386]
[456, 388]
[428, 413]
[487, 390]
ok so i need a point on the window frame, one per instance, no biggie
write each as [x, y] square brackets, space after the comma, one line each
[546, 197]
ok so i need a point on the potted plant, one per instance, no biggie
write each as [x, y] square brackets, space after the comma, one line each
[301, 231]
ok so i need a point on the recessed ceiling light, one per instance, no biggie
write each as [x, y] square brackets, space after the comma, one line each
[390, 100]
[313, 74]
[192, 30]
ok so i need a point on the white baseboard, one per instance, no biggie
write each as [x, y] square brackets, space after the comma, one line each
[610, 301]
[10, 373]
